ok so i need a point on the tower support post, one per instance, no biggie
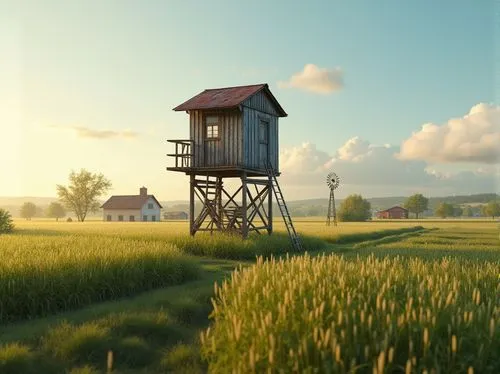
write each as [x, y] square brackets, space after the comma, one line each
[246, 209]
[270, 206]
[244, 225]
[191, 204]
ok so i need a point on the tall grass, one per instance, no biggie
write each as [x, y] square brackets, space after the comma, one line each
[368, 315]
[40, 275]
[234, 247]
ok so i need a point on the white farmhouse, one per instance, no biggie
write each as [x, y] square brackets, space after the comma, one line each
[142, 207]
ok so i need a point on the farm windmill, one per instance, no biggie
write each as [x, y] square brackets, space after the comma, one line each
[332, 181]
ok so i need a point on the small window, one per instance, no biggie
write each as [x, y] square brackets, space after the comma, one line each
[131, 218]
[150, 206]
[264, 132]
[108, 218]
[120, 218]
[212, 123]
[145, 218]
[153, 218]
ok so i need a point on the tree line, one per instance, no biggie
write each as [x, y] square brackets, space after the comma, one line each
[356, 208]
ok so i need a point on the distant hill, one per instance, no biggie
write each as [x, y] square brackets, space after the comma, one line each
[299, 208]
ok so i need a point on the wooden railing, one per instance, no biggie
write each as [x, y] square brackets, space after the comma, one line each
[183, 153]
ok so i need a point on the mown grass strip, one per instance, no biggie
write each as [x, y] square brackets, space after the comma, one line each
[372, 235]
[390, 238]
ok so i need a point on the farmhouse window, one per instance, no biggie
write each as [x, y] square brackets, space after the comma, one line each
[145, 218]
[153, 218]
[131, 218]
[150, 206]
[120, 218]
[108, 217]
[212, 123]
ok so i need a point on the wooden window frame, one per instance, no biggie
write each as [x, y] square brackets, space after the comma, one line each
[210, 134]
[150, 206]
[266, 121]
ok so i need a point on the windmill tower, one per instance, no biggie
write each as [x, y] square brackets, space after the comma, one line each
[233, 134]
[332, 181]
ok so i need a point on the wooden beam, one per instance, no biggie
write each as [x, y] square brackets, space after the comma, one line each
[261, 196]
[244, 225]
[261, 182]
[270, 207]
[191, 206]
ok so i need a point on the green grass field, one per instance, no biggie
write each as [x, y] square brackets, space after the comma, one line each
[70, 293]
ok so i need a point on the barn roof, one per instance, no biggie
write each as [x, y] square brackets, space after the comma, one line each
[128, 202]
[394, 207]
[228, 97]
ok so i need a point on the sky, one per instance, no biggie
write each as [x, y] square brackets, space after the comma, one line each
[396, 97]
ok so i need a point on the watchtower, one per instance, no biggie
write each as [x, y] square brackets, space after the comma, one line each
[233, 133]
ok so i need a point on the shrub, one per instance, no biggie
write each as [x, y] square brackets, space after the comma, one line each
[6, 224]
[354, 209]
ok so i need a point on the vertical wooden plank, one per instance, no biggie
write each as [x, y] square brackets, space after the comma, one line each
[191, 204]
[270, 206]
[244, 225]
[239, 139]
[277, 146]
[200, 139]
[244, 135]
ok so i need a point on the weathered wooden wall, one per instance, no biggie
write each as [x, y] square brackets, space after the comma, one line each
[238, 144]
[227, 150]
[256, 108]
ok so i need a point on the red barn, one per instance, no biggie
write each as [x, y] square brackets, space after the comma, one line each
[396, 212]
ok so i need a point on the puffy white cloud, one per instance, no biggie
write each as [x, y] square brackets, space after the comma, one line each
[373, 170]
[316, 79]
[474, 137]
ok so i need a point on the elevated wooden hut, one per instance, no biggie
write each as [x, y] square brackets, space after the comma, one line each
[233, 133]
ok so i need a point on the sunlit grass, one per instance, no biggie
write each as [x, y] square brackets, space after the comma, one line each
[60, 262]
[367, 315]
[40, 275]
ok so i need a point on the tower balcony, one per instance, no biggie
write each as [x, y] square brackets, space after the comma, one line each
[183, 155]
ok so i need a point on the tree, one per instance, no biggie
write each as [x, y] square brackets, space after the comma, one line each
[6, 224]
[28, 210]
[56, 210]
[354, 209]
[417, 204]
[81, 195]
[492, 209]
[444, 210]
[457, 211]
[467, 211]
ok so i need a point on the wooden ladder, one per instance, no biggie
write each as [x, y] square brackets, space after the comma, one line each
[297, 244]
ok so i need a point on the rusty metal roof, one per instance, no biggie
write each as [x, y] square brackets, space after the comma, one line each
[226, 98]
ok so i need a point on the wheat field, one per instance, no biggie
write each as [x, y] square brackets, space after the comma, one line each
[374, 297]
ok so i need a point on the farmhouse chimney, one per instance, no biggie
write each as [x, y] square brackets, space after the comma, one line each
[144, 191]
